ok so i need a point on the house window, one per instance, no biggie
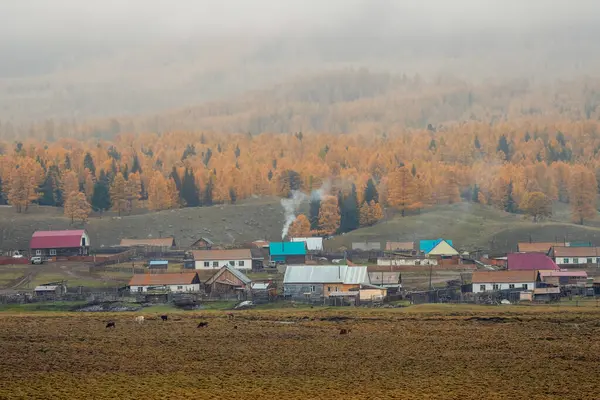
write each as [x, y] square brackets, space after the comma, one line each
[336, 289]
[241, 263]
[511, 286]
[525, 286]
[313, 288]
[232, 263]
[495, 286]
[215, 264]
[52, 252]
[565, 261]
[38, 252]
[482, 288]
[590, 261]
[329, 288]
[207, 264]
[179, 287]
[140, 289]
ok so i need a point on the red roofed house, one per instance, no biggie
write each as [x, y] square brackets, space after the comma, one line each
[60, 243]
[530, 262]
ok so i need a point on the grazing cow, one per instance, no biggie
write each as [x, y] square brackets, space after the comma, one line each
[202, 324]
[345, 331]
[139, 319]
[111, 324]
[164, 317]
[235, 327]
[230, 315]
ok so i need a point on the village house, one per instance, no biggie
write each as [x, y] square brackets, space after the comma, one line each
[407, 248]
[537, 247]
[406, 261]
[66, 243]
[437, 248]
[216, 259]
[228, 282]
[51, 290]
[317, 281]
[312, 243]
[366, 246]
[563, 278]
[176, 282]
[263, 290]
[157, 245]
[530, 262]
[572, 256]
[202, 244]
[491, 281]
[287, 252]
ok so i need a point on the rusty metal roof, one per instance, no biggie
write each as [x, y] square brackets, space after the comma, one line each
[504, 276]
[584, 252]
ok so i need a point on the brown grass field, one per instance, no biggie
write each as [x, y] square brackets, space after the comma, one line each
[434, 352]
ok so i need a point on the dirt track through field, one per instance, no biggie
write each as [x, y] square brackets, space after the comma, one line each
[301, 355]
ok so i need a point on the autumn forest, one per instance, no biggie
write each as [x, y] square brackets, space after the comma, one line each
[428, 143]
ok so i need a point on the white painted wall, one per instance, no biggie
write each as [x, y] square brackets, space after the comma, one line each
[312, 243]
[489, 286]
[244, 264]
[386, 262]
[576, 260]
[173, 288]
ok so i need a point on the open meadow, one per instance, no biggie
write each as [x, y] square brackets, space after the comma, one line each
[420, 352]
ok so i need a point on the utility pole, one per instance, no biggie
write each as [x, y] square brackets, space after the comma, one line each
[430, 272]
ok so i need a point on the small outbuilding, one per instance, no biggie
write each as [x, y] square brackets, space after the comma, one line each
[202, 244]
[66, 243]
[158, 264]
[288, 252]
[228, 281]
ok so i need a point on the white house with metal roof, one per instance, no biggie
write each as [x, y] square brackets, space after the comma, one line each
[310, 281]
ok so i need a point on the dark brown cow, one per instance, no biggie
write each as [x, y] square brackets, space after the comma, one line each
[111, 324]
[202, 325]
[345, 331]
[164, 317]
[230, 315]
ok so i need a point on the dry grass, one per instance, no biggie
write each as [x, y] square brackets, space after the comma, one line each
[425, 352]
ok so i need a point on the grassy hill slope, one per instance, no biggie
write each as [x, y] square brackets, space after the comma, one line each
[470, 226]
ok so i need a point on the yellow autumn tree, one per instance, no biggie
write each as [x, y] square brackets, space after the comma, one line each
[118, 194]
[24, 181]
[537, 205]
[159, 197]
[329, 215]
[300, 227]
[70, 183]
[582, 195]
[88, 184]
[401, 190]
[133, 188]
[370, 213]
[77, 207]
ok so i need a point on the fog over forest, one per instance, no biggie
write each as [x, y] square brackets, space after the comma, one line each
[75, 59]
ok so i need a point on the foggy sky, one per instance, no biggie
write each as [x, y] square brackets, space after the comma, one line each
[126, 20]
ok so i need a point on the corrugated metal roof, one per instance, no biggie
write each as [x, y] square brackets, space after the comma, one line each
[56, 239]
[584, 252]
[398, 246]
[530, 261]
[160, 242]
[225, 255]
[185, 278]
[503, 276]
[537, 247]
[570, 274]
[158, 262]
[237, 273]
[260, 285]
[427, 245]
[325, 274]
[287, 248]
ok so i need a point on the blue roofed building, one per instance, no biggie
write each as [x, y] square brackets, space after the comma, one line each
[426, 246]
[158, 264]
[288, 252]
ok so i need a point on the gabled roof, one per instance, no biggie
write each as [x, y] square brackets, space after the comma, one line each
[584, 252]
[504, 276]
[530, 261]
[184, 278]
[326, 274]
[537, 247]
[56, 239]
[443, 248]
[287, 248]
[400, 246]
[569, 274]
[159, 242]
[238, 274]
[224, 255]
[203, 239]
[261, 285]
[427, 245]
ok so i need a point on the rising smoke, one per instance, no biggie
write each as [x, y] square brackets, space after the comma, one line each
[291, 204]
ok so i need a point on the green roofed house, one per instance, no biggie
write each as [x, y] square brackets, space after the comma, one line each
[288, 252]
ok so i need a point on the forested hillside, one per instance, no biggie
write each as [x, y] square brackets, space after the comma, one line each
[370, 140]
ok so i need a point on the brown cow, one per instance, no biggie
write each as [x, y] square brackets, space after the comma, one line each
[164, 317]
[111, 324]
[202, 325]
[345, 331]
[230, 315]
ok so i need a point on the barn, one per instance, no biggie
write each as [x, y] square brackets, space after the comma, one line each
[65, 243]
[228, 282]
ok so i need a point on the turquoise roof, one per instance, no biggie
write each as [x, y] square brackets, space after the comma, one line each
[158, 262]
[287, 248]
[427, 245]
